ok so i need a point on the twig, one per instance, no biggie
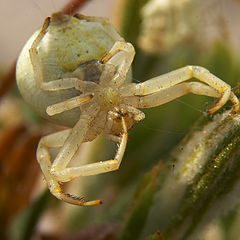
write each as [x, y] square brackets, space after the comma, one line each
[7, 80]
[73, 6]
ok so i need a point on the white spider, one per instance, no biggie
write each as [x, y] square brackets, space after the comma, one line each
[73, 71]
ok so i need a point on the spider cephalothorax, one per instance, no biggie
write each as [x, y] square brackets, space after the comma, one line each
[74, 71]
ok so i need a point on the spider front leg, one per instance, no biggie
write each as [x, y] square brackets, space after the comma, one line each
[121, 56]
[58, 84]
[55, 85]
[68, 104]
[33, 54]
[69, 141]
[169, 86]
[68, 174]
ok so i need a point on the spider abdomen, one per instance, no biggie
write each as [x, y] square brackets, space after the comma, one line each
[71, 47]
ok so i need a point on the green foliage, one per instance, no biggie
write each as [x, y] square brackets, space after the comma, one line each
[141, 204]
[131, 19]
[25, 224]
[198, 178]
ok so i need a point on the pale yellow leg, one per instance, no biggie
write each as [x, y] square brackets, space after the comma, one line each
[120, 55]
[169, 94]
[37, 70]
[173, 78]
[58, 84]
[68, 104]
[43, 156]
[68, 174]
[71, 144]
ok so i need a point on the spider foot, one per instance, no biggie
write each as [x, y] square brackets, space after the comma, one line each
[57, 191]
[213, 109]
[72, 199]
[221, 101]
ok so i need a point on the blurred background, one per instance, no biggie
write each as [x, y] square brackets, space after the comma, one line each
[167, 34]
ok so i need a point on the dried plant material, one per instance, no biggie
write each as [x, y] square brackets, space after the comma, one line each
[10, 107]
[73, 6]
[105, 231]
[18, 172]
[8, 80]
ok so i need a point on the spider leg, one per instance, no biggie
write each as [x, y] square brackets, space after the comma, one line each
[112, 138]
[61, 139]
[169, 94]
[72, 143]
[173, 78]
[38, 74]
[120, 55]
[68, 104]
[58, 84]
[67, 174]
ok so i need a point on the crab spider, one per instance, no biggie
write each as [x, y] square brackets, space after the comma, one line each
[73, 71]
